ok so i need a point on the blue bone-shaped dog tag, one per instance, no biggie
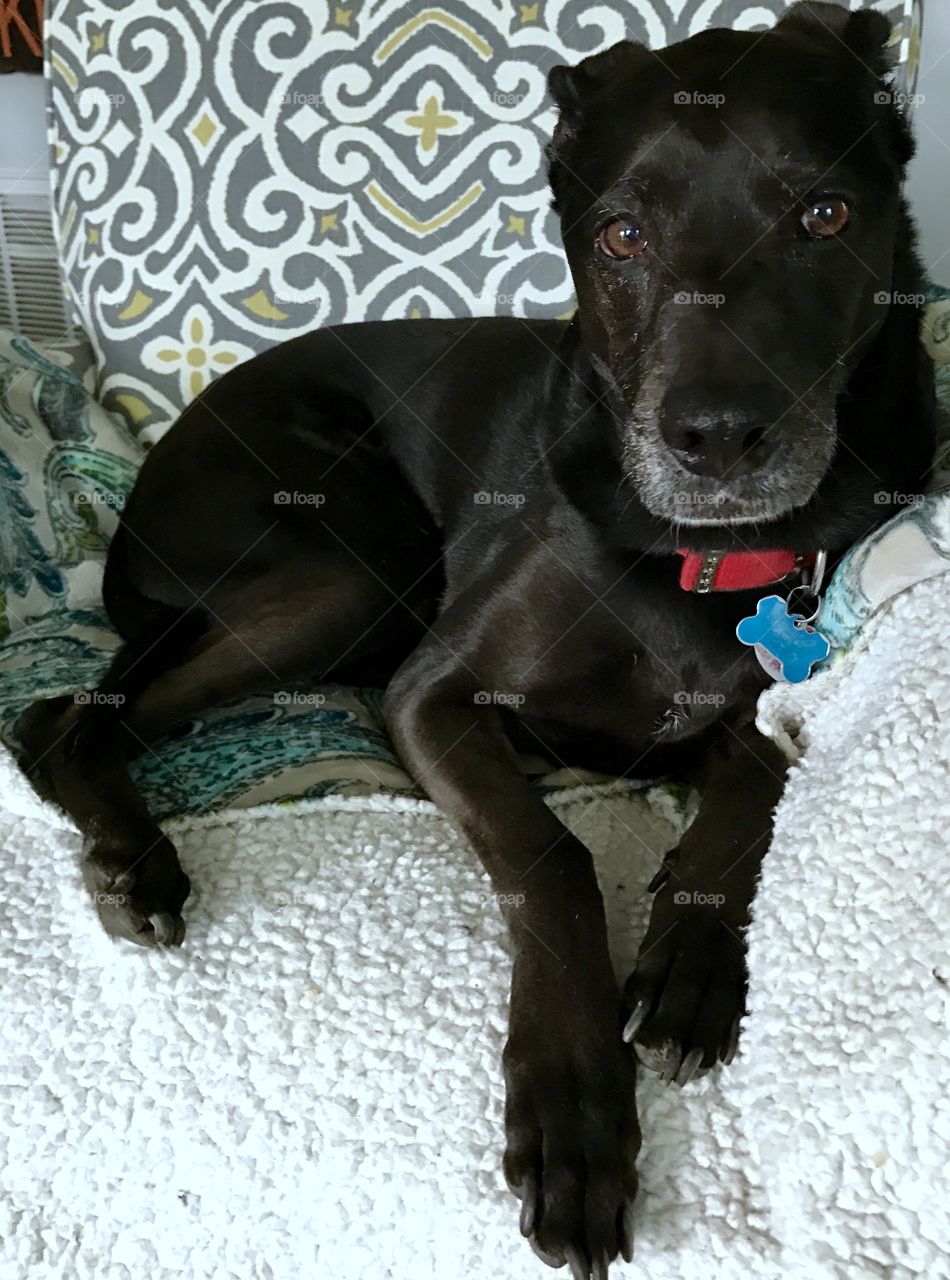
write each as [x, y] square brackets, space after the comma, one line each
[784, 643]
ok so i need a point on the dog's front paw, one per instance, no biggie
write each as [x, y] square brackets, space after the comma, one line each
[572, 1141]
[686, 996]
[138, 892]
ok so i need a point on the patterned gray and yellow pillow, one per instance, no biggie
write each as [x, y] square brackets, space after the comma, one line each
[223, 184]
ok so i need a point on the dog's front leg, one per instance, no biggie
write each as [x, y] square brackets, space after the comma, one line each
[570, 1117]
[687, 994]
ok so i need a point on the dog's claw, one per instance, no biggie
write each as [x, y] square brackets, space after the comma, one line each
[659, 880]
[163, 927]
[528, 1195]
[601, 1266]
[580, 1268]
[625, 1231]
[732, 1046]
[674, 1057]
[689, 1066]
[637, 1018]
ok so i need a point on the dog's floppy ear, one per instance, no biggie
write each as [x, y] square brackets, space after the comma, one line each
[570, 87]
[866, 33]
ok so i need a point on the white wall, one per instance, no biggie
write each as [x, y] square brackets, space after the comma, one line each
[23, 142]
[929, 186]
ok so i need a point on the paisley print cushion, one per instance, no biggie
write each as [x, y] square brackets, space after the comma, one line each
[66, 467]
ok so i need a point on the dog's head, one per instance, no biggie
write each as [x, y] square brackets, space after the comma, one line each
[730, 208]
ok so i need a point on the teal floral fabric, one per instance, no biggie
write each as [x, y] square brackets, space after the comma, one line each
[64, 471]
[914, 545]
[66, 468]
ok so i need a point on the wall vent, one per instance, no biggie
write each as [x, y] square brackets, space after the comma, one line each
[31, 290]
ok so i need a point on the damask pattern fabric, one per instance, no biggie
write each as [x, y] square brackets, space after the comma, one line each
[231, 173]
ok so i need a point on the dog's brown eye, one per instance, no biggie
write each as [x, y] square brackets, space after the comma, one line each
[826, 218]
[621, 239]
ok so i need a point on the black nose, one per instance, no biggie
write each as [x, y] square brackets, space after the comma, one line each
[718, 432]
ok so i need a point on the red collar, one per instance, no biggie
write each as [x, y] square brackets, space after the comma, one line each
[704, 571]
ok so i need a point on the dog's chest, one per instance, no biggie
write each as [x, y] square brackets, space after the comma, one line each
[632, 682]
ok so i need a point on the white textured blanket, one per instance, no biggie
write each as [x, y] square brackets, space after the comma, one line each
[311, 1087]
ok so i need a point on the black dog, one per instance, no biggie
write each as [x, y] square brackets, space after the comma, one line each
[653, 446]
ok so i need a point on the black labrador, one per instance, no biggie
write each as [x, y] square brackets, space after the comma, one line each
[542, 535]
